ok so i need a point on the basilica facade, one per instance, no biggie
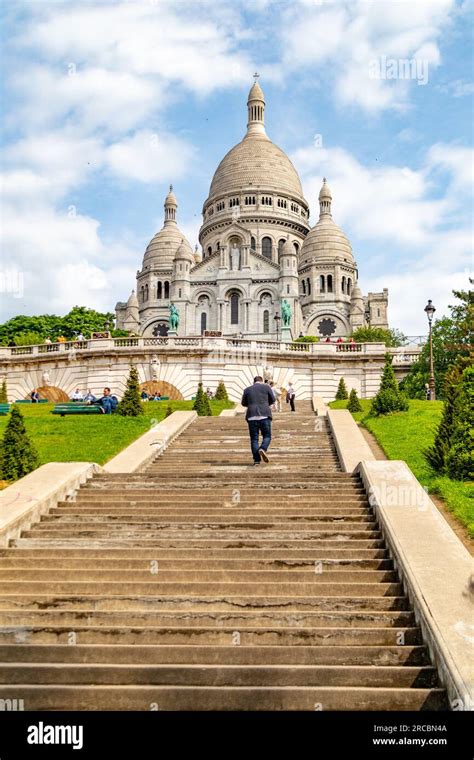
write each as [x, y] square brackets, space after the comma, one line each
[257, 250]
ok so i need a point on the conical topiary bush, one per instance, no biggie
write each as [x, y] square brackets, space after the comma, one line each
[201, 403]
[18, 456]
[131, 405]
[3, 393]
[341, 393]
[354, 405]
[221, 392]
[389, 397]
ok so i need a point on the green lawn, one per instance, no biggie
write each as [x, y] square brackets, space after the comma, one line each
[406, 435]
[94, 438]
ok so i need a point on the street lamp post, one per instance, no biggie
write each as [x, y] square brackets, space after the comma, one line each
[277, 319]
[430, 310]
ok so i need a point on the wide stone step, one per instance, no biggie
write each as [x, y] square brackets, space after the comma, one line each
[255, 618]
[214, 698]
[198, 602]
[317, 586]
[106, 554]
[156, 574]
[383, 656]
[339, 542]
[419, 677]
[65, 562]
[297, 523]
[149, 510]
[209, 636]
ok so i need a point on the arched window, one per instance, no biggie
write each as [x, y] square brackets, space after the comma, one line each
[349, 286]
[167, 289]
[209, 250]
[343, 285]
[297, 248]
[281, 243]
[322, 284]
[142, 293]
[308, 285]
[329, 283]
[234, 309]
[146, 292]
[266, 321]
[267, 247]
[203, 322]
[253, 244]
[159, 290]
[303, 283]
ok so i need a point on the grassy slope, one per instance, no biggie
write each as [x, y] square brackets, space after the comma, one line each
[94, 438]
[405, 436]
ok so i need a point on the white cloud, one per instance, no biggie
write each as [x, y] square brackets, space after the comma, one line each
[150, 157]
[345, 41]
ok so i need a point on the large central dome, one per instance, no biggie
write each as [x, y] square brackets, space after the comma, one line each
[256, 162]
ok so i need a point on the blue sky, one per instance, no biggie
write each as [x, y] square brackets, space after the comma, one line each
[106, 103]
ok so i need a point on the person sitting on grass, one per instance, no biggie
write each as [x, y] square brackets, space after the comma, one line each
[107, 403]
[157, 396]
[89, 397]
[77, 395]
[34, 396]
[144, 396]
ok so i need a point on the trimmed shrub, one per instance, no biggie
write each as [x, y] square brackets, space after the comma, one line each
[18, 456]
[201, 403]
[131, 405]
[341, 394]
[437, 454]
[460, 460]
[3, 393]
[221, 392]
[169, 410]
[389, 399]
[353, 405]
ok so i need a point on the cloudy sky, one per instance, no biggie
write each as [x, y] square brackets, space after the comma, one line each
[109, 102]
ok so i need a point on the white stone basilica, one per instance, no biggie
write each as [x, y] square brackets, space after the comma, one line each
[257, 250]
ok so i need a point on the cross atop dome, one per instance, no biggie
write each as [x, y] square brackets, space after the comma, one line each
[256, 76]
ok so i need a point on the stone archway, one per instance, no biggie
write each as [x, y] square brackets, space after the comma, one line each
[166, 389]
[52, 393]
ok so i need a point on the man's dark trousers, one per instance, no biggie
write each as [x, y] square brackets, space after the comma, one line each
[255, 428]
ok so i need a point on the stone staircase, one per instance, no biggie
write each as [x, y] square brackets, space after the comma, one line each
[207, 584]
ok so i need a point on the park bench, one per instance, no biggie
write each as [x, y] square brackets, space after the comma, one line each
[75, 407]
[4, 409]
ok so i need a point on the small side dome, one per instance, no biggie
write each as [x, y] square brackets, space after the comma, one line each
[170, 199]
[356, 294]
[184, 252]
[325, 192]
[288, 248]
[132, 300]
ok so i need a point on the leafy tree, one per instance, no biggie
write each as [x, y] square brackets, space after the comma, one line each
[460, 460]
[28, 339]
[368, 334]
[389, 398]
[221, 392]
[131, 405]
[79, 319]
[3, 393]
[353, 405]
[453, 338]
[18, 456]
[341, 393]
[307, 339]
[437, 453]
[201, 403]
